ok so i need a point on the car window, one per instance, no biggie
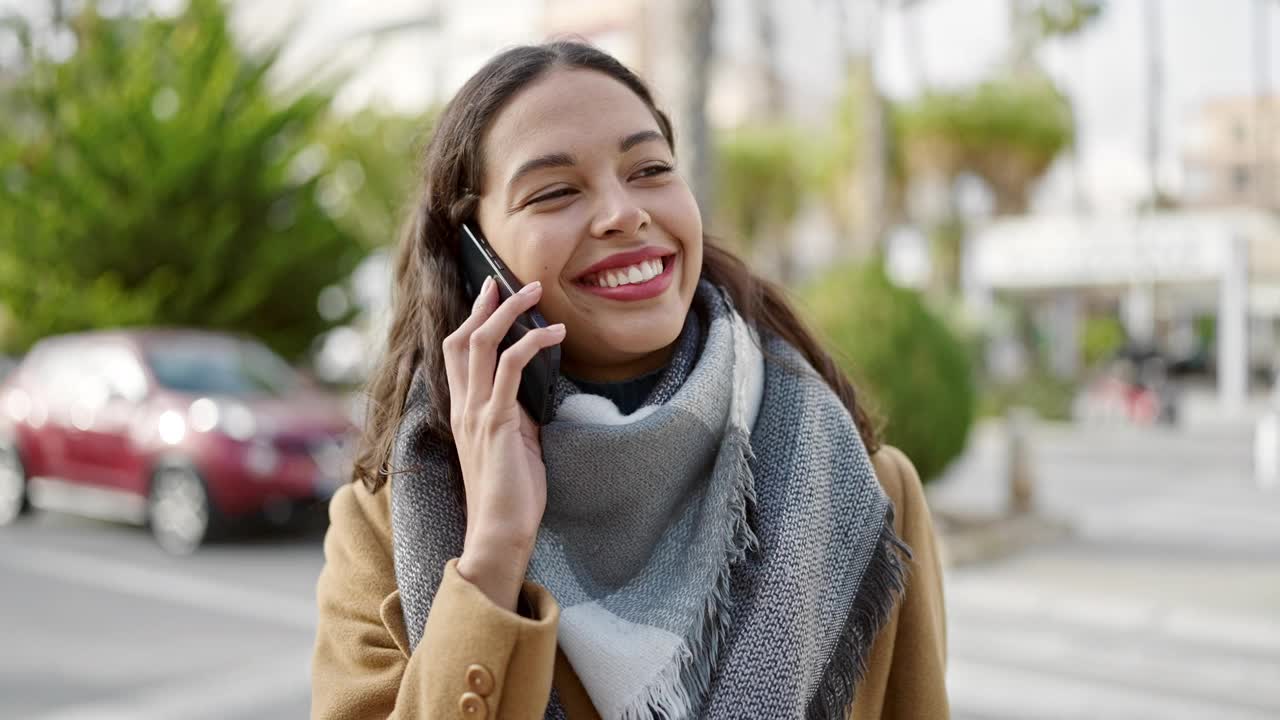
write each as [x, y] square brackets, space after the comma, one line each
[57, 374]
[60, 377]
[44, 367]
[120, 372]
[7, 366]
[230, 368]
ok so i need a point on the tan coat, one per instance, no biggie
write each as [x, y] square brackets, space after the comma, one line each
[477, 660]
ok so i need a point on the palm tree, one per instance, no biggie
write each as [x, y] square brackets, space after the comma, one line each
[695, 47]
[767, 32]
[1262, 89]
[1155, 87]
[1055, 21]
[869, 174]
[912, 46]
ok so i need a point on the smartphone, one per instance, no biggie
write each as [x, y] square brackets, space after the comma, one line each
[538, 380]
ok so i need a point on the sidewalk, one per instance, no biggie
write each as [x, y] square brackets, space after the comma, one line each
[1163, 600]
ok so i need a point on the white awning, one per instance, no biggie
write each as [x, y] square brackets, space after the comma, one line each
[1040, 252]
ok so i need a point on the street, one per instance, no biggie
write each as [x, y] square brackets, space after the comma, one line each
[97, 623]
[1164, 602]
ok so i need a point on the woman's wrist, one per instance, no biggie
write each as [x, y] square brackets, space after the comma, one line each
[496, 566]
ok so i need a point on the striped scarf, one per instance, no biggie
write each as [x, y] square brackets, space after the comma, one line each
[724, 551]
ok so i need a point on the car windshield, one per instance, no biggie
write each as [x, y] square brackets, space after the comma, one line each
[234, 368]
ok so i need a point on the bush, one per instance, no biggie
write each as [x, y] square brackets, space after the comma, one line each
[911, 370]
[155, 177]
[1103, 337]
[1051, 398]
[763, 174]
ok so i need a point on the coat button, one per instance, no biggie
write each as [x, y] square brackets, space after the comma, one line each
[473, 706]
[480, 680]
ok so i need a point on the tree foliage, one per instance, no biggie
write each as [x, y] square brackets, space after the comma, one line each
[1007, 131]
[154, 176]
[1063, 18]
[912, 369]
[763, 176]
[375, 161]
[850, 152]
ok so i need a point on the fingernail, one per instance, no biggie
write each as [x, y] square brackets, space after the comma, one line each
[558, 328]
[531, 287]
[483, 294]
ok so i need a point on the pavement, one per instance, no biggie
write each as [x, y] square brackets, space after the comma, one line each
[97, 623]
[1162, 602]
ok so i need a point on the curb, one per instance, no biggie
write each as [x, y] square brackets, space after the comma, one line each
[967, 539]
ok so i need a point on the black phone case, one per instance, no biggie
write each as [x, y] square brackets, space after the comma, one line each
[538, 380]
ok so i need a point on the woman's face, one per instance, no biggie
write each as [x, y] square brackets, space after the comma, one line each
[580, 193]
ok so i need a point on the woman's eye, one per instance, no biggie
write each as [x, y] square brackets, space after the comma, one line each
[554, 194]
[653, 171]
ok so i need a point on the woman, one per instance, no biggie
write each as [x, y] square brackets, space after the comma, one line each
[707, 528]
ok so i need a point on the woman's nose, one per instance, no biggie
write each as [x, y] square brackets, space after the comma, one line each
[619, 214]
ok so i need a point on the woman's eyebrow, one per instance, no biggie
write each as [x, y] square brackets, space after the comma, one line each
[563, 159]
[635, 139]
[553, 160]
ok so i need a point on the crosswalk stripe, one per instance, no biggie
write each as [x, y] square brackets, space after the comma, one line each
[175, 587]
[208, 696]
[980, 688]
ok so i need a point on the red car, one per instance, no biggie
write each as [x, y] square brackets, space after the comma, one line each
[184, 430]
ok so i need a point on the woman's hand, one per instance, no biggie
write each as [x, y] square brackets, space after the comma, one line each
[498, 444]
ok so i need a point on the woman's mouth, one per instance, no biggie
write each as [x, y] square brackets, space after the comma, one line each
[638, 281]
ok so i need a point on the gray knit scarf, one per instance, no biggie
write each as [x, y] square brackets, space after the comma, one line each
[724, 551]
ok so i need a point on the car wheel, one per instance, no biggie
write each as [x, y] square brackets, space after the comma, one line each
[178, 510]
[13, 485]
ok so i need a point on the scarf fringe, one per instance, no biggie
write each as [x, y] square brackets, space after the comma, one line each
[685, 683]
[882, 585]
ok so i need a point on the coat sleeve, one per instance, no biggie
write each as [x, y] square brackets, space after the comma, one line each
[906, 675]
[476, 660]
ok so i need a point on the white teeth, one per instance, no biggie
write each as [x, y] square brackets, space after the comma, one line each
[643, 271]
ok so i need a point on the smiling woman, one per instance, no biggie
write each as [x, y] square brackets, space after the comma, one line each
[583, 185]
[707, 528]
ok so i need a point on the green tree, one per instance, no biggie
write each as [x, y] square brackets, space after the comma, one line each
[910, 366]
[375, 159]
[1034, 22]
[763, 175]
[1007, 131]
[154, 176]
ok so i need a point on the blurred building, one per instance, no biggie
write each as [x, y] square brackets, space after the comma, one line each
[639, 33]
[1235, 159]
[1161, 273]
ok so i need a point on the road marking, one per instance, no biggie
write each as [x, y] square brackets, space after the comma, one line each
[165, 585]
[986, 597]
[244, 689]
[1138, 662]
[986, 689]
